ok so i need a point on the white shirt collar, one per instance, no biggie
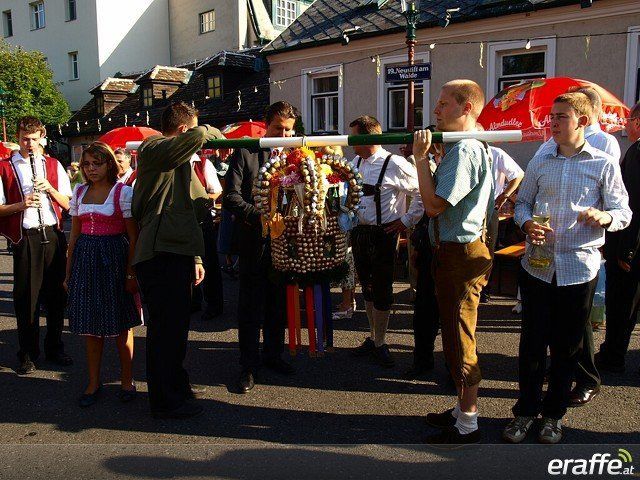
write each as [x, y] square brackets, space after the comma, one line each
[379, 153]
[592, 129]
[586, 148]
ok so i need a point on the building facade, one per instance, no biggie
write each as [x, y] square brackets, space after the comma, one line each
[90, 40]
[85, 41]
[333, 83]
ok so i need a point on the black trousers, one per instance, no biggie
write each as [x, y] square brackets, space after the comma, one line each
[38, 275]
[553, 317]
[426, 319]
[374, 257]
[622, 301]
[165, 284]
[211, 287]
[261, 303]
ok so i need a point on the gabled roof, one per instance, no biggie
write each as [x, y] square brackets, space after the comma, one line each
[110, 84]
[166, 74]
[218, 112]
[230, 59]
[325, 20]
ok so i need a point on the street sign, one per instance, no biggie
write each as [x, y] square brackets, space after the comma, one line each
[405, 73]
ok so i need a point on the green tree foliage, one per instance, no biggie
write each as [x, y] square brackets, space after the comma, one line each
[28, 81]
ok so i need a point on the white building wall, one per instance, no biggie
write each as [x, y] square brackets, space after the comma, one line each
[132, 35]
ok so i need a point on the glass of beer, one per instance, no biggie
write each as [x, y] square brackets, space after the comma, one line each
[539, 255]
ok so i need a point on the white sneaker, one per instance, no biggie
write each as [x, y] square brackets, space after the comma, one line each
[517, 429]
[550, 430]
[517, 308]
[343, 314]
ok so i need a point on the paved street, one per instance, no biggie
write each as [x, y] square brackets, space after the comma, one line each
[332, 400]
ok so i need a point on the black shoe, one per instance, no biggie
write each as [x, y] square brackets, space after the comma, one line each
[26, 366]
[127, 396]
[419, 370]
[60, 358]
[188, 410]
[441, 420]
[279, 366]
[451, 436]
[603, 364]
[195, 391]
[484, 297]
[367, 348]
[88, 399]
[209, 315]
[383, 356]
[580, 396]
[246, 381]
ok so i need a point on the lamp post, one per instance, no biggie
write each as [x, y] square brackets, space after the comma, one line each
[412, 16]
[3, 92]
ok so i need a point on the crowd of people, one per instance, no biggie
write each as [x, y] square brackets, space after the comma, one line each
[146, 237]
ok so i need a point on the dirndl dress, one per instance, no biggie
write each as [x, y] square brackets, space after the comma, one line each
[98, 304]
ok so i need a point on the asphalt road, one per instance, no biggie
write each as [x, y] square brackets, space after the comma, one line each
[338, 400]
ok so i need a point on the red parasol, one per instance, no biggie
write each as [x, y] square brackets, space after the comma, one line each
[526, 106]
[245, 129]
[118, 137]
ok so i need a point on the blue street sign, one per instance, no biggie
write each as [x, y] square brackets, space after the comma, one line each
[405, 73]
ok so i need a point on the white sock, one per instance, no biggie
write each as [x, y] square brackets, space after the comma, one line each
[456, 411]
[467, 422]
[368, 306]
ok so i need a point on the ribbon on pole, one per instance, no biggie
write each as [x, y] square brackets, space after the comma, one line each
[319, 316]
[308, 300]
[353, 140]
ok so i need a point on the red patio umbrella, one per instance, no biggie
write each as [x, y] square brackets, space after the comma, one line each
[118, 137]
[245, 129]
[526, 106]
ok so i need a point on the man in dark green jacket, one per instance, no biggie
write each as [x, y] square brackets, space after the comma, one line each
[168, 251]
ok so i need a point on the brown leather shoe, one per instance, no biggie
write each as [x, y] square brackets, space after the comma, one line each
[580, 396]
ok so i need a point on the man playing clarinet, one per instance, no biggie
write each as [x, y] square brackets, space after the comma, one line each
[34, 189]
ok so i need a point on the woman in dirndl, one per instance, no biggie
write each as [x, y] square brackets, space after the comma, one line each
[100, 278]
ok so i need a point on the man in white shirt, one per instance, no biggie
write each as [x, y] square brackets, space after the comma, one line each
[211, 287]
[388, 181]
[31, 205]
[587, 376]
[123, 159]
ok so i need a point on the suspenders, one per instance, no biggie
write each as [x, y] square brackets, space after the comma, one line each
[376, 189]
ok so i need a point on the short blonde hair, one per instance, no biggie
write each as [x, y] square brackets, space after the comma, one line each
[467, 91]
[579, 102]
[332, 150]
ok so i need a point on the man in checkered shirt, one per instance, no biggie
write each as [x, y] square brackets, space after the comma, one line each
[584, 189]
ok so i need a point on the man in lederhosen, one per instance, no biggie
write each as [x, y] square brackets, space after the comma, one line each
[32, 222]
[388, 181]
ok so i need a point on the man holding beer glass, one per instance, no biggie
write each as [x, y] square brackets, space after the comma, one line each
[583, 188]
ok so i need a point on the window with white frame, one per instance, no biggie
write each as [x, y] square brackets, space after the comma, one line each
[7, 24]
[71, 10]
[393, 98]
[37, 15]
[284, 12]
[510, 63]
[74, 73]
[632, 80]
[325, 104]
[322, 105]
[208, 21]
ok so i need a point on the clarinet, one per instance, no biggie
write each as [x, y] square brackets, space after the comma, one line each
[42, 227]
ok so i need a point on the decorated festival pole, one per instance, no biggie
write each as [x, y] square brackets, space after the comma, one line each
[352, 140]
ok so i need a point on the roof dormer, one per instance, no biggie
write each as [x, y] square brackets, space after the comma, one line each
[160, 83]
[109, 93]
